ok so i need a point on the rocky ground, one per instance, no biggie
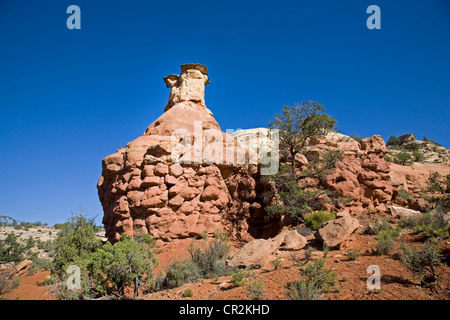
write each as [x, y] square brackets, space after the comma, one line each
[397, 282]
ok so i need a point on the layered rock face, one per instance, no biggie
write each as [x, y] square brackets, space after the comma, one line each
[183, 176]
[413, 179]
[370, 182]
[432, 152]
[363, 175]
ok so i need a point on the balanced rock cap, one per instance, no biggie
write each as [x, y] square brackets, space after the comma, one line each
[200, 67]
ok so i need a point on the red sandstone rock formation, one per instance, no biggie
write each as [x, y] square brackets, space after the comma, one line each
[184, 176]
[362, 175]
[371, 182]
[413, 179]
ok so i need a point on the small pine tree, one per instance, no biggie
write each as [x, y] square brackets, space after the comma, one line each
[404, 158]
[126, 263]
[393, 141]
[75, 244]
[418, 156]
[11, 250]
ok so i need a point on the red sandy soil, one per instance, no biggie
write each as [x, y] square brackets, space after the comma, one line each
[397, 282]
[30, 288]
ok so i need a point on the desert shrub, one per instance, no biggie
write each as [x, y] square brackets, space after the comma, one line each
[437, 191]
[432, 231]
[8, 278]
[20, 225]
[432, 224]
[434, 183]
[319, 275]
[308, 253]
[11, 250]
[15, 283]
[58, 226]
[75, 244]
[404, 158]
[382, 224]
[211, 259]
[188, 293]
[30, 243]
[317, 279]
[126, 263]
[386, 240]
[325, 249]
[408, 222]
[353, 254]
[276, 263]
[158, 283]
[69, 222]
[255, 288]
[388, 158]
[48, 246]
[58, 287]
[293, 199]
[207, 260]
[418, 156]
[386, 236]
[413, 146]
[437, 183]
[179, 273]
[315, 219]
[393, 141]
[39, 264]
[356, 137]
[301, 289]
[238, 277]
[422, 262]
[403, 194]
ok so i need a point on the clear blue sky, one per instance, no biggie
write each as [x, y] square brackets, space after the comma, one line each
[68, 98]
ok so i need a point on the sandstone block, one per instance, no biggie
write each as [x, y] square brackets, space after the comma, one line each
[151, 181]
[161, 169]
[335, 232]
[176, 170]
[170, 180]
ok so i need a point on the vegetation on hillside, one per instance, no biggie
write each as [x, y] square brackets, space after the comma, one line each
[297, 191]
